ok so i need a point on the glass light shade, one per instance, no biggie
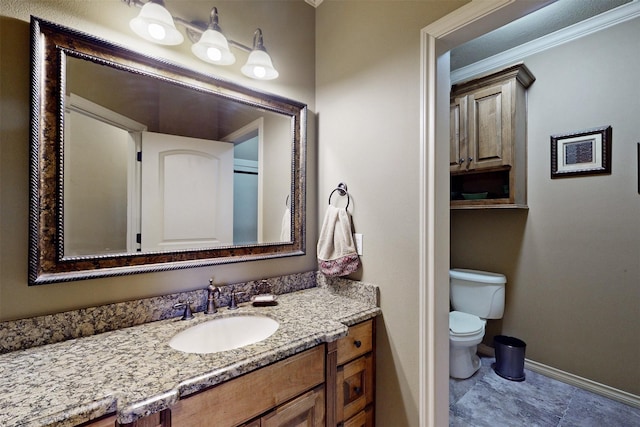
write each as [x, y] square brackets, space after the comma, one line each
[213, 48]
[155, 24]
[259, 66]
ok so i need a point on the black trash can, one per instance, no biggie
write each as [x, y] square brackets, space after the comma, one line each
[509, 357]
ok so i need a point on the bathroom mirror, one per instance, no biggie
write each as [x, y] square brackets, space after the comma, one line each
[140, 165]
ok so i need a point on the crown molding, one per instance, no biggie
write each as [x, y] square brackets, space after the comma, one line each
[314, 3]
[592, 25]
[461, 17]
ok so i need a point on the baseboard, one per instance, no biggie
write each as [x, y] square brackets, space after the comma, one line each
[586, 384]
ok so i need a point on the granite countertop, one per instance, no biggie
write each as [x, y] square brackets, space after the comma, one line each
[133, 371]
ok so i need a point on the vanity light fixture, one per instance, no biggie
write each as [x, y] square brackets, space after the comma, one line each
[213, 46]
[259, 65]
[156, 24]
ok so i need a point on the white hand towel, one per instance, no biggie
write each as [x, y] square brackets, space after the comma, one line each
[285, 233]
[337, 254]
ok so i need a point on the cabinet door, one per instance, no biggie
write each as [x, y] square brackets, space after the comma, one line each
[304, 411]
[458, 135]
[361, 419]
[489, 127]
[355, 387]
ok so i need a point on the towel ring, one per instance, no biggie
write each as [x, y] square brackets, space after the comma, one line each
[342, 190]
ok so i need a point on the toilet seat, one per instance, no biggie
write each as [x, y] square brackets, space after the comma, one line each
[465, 324]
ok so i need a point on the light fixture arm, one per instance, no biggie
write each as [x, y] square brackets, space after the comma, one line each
[258, 42]
[213, 20]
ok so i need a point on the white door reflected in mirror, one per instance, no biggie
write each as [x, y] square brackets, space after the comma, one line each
[187, 193]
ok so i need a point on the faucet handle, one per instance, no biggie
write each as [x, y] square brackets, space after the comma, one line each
[233, 305]
[187, 309]
[213, 288]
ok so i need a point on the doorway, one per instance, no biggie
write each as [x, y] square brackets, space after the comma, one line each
[464, 24]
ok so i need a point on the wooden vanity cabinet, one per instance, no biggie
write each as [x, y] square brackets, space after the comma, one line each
[328, 385]
[354, 357]
[488, 139]
[240, 400]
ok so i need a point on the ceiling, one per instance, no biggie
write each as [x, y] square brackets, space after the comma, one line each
[549, 19]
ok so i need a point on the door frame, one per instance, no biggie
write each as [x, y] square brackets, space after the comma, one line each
[255, 126]
[436, 40]
[78, 104]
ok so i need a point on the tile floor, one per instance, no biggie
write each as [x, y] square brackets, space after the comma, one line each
[488, 400]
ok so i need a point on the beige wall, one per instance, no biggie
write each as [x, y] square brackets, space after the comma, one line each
[293, 56]
[368, 102]
[573, 260]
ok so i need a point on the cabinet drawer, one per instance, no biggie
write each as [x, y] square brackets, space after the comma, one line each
[264, 389]
[354, 387]
[358, 342]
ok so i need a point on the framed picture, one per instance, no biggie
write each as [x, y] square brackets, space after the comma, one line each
[586, 152]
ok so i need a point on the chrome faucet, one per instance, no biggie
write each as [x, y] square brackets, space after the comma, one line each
[211, 298]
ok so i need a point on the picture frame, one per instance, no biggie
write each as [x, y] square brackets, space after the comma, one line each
[586, 152]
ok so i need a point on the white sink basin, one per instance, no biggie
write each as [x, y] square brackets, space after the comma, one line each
[224, 333]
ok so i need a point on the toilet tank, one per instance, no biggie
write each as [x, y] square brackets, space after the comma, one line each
[477, 292]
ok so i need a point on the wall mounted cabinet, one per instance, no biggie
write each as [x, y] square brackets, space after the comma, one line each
[488, 138]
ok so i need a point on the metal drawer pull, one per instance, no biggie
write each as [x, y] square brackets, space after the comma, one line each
[357, 343]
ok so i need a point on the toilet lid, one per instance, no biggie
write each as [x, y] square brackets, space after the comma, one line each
[464, 323]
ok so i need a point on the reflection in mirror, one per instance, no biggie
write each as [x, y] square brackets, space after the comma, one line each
[161, 167]
[201, 178]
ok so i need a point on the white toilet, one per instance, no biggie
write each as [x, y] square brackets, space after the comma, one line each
[475, 296]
